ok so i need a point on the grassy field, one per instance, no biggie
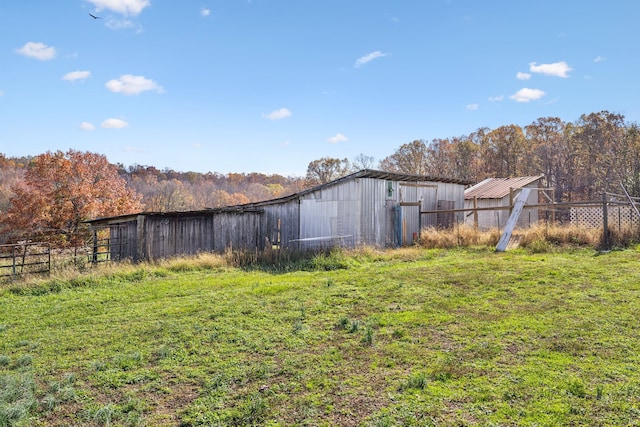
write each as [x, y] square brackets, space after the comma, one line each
[410, 337]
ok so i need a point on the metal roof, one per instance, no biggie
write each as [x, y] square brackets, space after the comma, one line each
[254, 207]
[497, 188]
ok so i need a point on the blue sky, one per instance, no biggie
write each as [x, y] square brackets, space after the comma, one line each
[271, 85]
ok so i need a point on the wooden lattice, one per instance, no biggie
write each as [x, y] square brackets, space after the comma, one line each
[619, 217]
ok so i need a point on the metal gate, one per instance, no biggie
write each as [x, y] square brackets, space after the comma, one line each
[25, 258]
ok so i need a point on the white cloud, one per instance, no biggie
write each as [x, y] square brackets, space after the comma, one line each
[1, 93]
[473, 107]
[368, 58]
[122, 24]
[496, 98]
[280, 114]
[76, 75]
[124, 7]
[599, 58]
[114, 124]
[87, 126]
[523, 76]
[525, 95]
[205, 12]
[38, 51]
[558, 69]
[129, 84]
[338, 138]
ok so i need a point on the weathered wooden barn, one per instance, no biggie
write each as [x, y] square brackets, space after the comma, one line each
[368, 207]
[497, 193]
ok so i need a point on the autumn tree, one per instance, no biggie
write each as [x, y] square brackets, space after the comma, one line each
[598, 140]
[549, 144]
[170, 195]
[362, 161]
[327, 169]
[466, 161]
[410, 158]
[631, 161]
[441, 158]
[11, 173]
[62, 190]
[504, 150]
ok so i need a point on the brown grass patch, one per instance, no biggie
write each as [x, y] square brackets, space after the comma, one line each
[540, 238]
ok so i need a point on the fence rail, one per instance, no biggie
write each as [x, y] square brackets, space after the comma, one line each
[25, 258]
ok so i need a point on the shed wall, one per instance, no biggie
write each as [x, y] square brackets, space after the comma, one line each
[360, 211]
[498, 218]
[281, 224]
[364, 211]
[122, 241]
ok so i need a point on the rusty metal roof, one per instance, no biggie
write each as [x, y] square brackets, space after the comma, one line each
[497, 188]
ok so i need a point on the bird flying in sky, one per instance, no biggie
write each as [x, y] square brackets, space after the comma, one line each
[94, 16]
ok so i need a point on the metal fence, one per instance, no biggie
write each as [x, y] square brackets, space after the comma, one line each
[25, 258]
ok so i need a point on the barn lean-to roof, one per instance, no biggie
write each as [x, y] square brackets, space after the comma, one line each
[497, 188]
[256, 206]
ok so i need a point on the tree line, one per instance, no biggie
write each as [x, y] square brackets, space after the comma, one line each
[580, 159]
[58, 191]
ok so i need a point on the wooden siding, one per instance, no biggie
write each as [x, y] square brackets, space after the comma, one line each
[123, 241]
[148, 237]
[281, 224]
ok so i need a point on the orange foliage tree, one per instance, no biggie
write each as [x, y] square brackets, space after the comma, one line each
[62, 190]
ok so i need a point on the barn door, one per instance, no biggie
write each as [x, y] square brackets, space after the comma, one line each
[410, 223]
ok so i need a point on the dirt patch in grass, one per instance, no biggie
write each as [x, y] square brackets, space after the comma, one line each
[168, 406]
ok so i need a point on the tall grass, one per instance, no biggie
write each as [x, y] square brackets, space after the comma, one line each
[539, 238]
[78, 271]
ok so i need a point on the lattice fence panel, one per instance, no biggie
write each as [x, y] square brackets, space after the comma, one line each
[619, 217]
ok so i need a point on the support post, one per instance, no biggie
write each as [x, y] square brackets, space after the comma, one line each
[513, 219]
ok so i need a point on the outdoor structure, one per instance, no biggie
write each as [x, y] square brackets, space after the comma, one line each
[494, 196]
[368, 207]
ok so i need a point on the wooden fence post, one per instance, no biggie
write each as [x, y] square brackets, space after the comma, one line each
[510, 200]
[94, 258]
[475, 212]
[553, 209]
[605, 222]
[13, 258]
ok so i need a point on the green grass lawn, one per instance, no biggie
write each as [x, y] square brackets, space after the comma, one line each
[399, 338]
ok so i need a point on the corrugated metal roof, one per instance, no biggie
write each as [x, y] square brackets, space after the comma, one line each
[252, 207]
[497, 188]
